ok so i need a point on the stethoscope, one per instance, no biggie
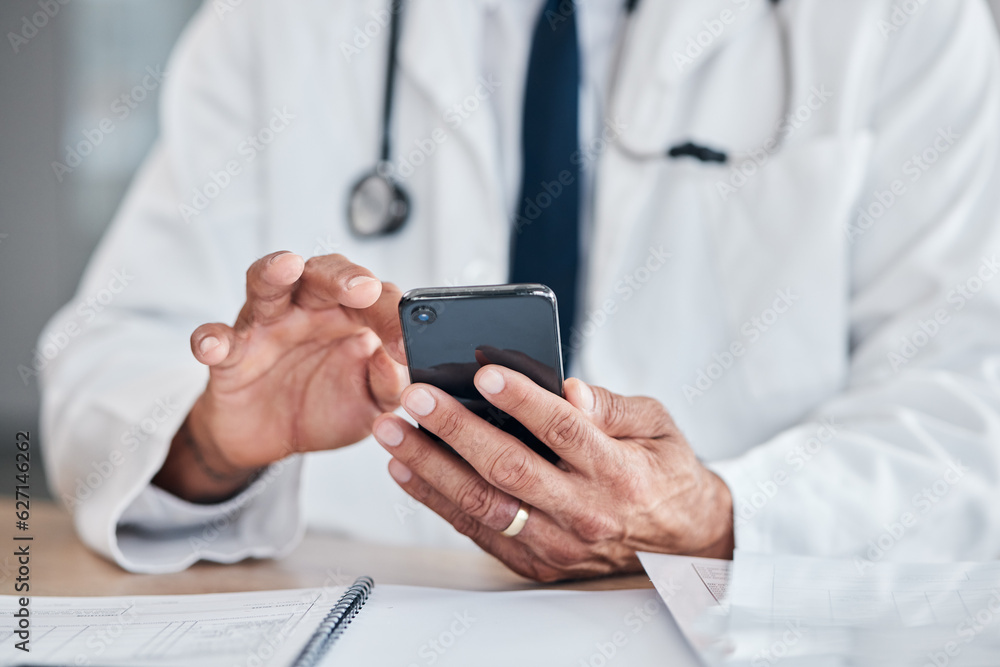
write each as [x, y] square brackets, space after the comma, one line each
[379, 204]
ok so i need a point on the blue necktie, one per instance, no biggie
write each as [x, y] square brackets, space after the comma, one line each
[545, 246]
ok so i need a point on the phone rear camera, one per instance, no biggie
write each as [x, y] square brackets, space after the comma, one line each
[423, 315]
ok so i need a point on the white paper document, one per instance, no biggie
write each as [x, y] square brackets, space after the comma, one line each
[841, 612]
[228, 629]
[417, 626]
[695, 591]
[398, 625]
[835, 613]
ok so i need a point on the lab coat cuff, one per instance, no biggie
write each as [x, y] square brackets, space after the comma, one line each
[159, 532]
[749, 535]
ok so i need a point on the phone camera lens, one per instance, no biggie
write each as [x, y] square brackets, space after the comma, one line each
[423, 315]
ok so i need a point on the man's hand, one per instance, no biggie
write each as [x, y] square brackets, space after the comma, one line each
[313, 358]
[627, 480]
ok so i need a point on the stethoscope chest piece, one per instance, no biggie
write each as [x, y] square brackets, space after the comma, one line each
[378, 205]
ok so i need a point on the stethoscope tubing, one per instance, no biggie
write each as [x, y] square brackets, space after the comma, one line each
[688, 148]
[394, 211]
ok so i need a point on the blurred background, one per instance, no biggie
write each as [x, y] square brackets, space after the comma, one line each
[88, 68]
[85, 71]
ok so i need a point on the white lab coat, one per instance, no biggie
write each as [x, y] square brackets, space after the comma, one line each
[769, 332]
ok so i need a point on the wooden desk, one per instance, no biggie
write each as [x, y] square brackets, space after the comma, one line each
[62, 565]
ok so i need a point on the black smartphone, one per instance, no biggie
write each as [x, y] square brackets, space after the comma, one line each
[452, 332]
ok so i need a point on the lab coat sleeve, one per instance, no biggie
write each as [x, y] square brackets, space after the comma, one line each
[904, 464]
[116, 371]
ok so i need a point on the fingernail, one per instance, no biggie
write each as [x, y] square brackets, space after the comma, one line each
[358, 280]
[490, 382]
[420, 402]
[389, 433]
[399, 472]
[276, 256]
[208, 344]
[587, 400]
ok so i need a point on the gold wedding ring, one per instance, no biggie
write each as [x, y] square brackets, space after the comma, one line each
[517, 525]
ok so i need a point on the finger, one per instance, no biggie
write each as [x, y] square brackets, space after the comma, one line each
[329, 281]
[512, 552]
[386, 380]
[382, 317]
[448, 474]
[270, 283]
[619, 416]
[539, 372]
[502, 459]
[214, 345]
[333, 280]
[549, 417]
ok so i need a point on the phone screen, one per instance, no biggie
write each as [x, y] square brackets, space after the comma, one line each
[452, 333]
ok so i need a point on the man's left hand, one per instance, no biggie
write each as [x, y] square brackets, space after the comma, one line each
[627, 480]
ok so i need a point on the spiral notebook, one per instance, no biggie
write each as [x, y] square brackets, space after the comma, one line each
[346, 625]
[335, 622]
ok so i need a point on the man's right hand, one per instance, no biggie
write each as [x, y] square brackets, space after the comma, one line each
[314, 357]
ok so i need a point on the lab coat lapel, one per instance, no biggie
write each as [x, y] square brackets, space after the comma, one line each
[459, 189]
[438, 47]
[665, 44]
[668, 42]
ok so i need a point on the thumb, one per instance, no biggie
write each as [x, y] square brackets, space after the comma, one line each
[386, 380]
[618, 416]
[216, 345]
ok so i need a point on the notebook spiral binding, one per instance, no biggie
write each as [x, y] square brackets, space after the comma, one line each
[335, 622]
